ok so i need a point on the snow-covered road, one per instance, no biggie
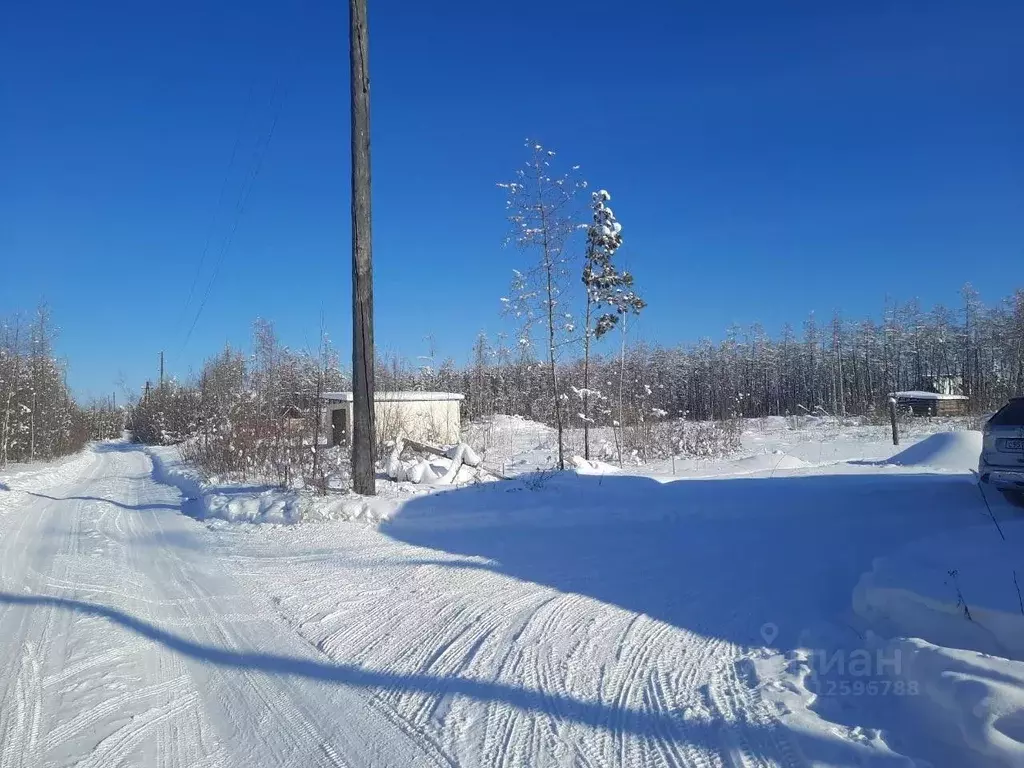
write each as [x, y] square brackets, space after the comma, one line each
[124, 640]
[462, 633]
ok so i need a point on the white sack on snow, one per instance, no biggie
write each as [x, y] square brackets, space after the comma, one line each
[457, 459]
[422, 472]
[469, 456]
[394, 468]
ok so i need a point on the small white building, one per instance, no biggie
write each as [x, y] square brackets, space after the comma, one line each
[432, 417]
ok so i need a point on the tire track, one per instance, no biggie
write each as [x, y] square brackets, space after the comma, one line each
[21, 735]
[92, 690]
[117, 747]
[114, 705]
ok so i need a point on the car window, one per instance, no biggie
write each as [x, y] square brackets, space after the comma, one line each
[1010, 415]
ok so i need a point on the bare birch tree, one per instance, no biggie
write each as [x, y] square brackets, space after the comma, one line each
[542, 214]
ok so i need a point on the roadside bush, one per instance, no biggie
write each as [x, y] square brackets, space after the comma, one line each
[165, 416]
[251, 417]
[697, 439]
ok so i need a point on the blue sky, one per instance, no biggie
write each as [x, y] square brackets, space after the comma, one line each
[765, 159]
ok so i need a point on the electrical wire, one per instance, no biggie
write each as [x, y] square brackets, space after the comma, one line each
[216, 211]
[256, 165]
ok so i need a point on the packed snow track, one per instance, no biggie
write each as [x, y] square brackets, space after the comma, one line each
[126, 642]
[134, 634]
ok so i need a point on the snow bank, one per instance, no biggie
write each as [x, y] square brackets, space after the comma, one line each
[965, 698]
[504, 423]
[234, 503]
[268, 506]
[952, 604]
[169, 469]
[768, 462]
[352, 507]
[18, 478]
[238, 503]
[512, 445]
[951, 451]
[929, 588]
[932, 662]
[944, 706]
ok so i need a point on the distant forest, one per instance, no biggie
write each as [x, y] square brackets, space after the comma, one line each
[836, 365]
[839, 365]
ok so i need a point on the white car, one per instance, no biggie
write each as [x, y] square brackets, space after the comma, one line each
[1002, 451]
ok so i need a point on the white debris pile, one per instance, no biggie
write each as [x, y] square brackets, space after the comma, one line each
[428, 465]
[592, 466]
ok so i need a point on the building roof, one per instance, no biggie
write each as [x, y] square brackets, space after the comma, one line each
[387, 397]
[919, 395]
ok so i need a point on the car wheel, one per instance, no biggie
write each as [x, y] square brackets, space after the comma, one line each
[1015, 497]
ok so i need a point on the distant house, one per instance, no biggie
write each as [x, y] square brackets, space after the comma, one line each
[924, 403]
[938, 395]
[432, 417]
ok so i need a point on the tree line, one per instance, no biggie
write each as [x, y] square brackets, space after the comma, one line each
[39, 418]
[837, 366]
[257, 413]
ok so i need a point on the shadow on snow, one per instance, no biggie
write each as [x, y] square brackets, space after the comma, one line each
[563, 707]
[121, 504]
[720, 557]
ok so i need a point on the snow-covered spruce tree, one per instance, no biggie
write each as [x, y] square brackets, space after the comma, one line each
[607, 289]
[541, 210]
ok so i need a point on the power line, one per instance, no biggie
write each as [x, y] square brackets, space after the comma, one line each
[275, 106]
[216, 211]
[259, 153]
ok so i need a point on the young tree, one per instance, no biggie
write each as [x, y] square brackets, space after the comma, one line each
[838, 387]
[541, 211]
[606, 288]
[11, 380]
[480, 403]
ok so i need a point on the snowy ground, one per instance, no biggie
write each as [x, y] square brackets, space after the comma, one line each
[773, 444]
[757, 612]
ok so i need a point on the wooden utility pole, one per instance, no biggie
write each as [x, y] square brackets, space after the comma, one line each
[161, 368]
[364, 437]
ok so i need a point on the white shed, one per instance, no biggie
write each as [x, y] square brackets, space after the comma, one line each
[432, 417]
